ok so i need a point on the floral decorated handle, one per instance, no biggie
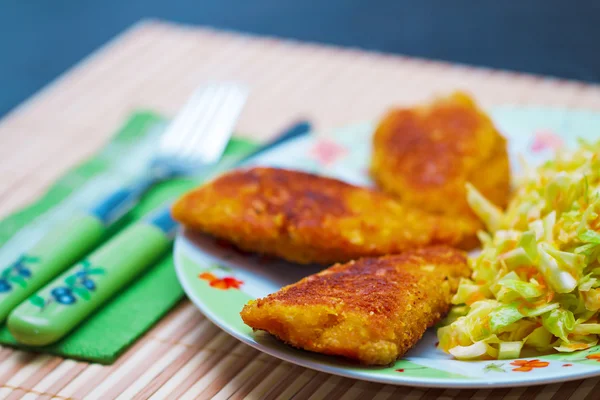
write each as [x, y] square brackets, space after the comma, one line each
[50, 256]
[54, 311]
[64, 245]
[51, 313]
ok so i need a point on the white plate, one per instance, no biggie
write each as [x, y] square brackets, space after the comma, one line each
[237, 277]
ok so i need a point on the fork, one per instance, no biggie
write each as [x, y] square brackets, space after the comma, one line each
[55, 310]
[194, 140]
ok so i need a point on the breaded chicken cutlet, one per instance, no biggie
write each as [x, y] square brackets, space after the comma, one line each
[306, 218]
[372, 310]
[425, 155]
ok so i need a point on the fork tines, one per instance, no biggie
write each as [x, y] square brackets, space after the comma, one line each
[203, 127]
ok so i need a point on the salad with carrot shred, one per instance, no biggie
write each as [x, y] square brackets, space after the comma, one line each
[536, 283]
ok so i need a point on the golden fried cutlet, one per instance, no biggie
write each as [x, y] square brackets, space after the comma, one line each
[425, 155]
[306, 218]
[372, 310]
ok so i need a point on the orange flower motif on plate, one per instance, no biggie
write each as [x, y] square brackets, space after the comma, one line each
[595, 356]
[207, 276]
[528, 365]
[228, 282]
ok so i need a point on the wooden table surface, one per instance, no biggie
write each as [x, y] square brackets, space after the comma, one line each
[155, 66]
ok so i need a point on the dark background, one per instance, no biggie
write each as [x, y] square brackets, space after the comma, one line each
[40, 39]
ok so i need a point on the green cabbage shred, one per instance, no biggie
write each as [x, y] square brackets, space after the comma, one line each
[536, 282]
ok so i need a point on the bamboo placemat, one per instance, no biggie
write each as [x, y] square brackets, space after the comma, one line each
[156, 65]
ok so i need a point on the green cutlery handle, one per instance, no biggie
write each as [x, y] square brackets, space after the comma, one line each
[61, 247]
[54, 311]
[51, 313]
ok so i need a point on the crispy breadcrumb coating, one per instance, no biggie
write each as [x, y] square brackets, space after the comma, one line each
[426, 154]
[307, 218]
[372, 310]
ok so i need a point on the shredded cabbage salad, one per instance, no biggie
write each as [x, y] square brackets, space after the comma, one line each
[536, 283]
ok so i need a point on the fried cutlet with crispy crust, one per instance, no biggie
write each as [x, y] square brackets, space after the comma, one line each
[372, 310]
[307, 218]
[425, 155]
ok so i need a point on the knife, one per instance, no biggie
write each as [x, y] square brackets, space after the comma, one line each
[54, 311]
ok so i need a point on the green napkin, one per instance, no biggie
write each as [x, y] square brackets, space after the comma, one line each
[107, 333]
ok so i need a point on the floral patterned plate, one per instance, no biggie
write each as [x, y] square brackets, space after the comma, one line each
[220, 279]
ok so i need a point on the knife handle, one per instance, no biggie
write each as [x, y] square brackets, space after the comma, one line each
[61, 247]
[54, 311]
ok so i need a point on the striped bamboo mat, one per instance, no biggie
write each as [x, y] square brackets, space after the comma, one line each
[156, 65]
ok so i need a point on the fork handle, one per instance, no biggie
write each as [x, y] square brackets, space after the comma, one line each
[64, 245]
[62, 304]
